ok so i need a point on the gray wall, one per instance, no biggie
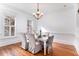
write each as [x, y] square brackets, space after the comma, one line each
[21, 24]
[56, 22]
[59, 22]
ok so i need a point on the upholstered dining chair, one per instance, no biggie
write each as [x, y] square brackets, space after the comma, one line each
[34, 45]
[25, 41]
[49, 43]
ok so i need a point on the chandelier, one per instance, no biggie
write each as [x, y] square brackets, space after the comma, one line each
[38, 14]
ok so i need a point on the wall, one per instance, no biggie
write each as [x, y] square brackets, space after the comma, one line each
[21, 24]
[57, 22]
[61, 23]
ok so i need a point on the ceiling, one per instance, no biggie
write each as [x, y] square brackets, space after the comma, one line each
[44, 7]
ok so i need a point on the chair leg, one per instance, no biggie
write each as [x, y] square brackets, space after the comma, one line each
[50, 50]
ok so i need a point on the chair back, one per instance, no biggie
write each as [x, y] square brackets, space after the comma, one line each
[24, 43]
[31, 42]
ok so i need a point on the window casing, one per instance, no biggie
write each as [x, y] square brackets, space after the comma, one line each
[9, 26]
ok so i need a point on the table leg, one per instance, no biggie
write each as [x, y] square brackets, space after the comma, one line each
[44, 47]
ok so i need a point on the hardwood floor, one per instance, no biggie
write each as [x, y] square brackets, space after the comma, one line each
[58, 50]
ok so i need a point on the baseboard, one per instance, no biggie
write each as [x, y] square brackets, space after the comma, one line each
[9, 43]
[72, 34]
[64, 43]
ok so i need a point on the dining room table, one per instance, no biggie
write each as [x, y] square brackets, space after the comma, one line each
[44, 40]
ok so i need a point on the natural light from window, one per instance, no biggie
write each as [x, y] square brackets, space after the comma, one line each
[43, 29]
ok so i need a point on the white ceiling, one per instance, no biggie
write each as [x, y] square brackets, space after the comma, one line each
[44, 7]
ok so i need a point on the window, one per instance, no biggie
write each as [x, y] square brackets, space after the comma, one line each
[9, 26]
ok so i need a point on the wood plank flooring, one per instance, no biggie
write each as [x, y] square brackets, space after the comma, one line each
[58, 50]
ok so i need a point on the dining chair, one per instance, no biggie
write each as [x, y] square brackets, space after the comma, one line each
[34, 45]
[25, 41]
[49, 43]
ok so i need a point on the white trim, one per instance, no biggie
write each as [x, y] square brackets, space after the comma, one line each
[5, 37]
[73, 34]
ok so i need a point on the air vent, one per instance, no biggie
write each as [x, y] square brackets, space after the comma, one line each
[78, 10]
[64, 5]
